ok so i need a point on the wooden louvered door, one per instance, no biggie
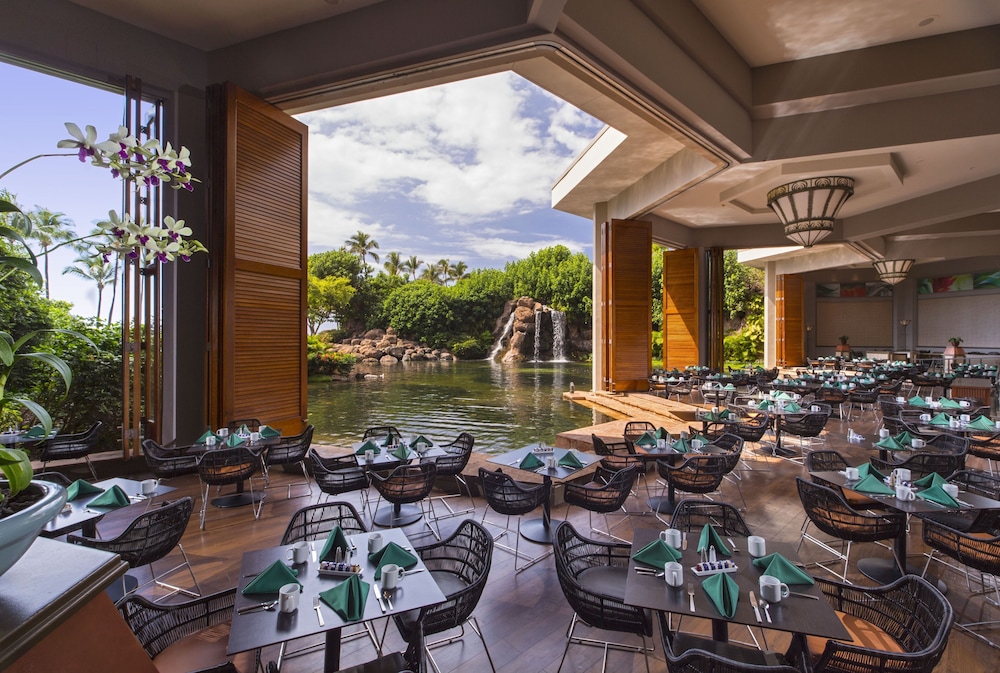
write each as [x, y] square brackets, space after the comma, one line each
[788, 323]
[259, 289]
[680, 308]
[626, 309]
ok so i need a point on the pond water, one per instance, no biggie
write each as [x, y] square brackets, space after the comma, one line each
[503, 406]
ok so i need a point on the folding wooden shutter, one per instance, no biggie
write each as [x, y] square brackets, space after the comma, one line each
[258, 363]
[626, 309]
[680, 308]
[788, 323]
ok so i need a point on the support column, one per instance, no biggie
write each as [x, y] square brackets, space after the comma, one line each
[770, 312]
[597, 318]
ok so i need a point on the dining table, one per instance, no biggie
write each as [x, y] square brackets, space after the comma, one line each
[261, 628]
[78, 514]
[541, 530]
[797, 614]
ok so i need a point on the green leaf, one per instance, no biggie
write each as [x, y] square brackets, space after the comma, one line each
[38, 410]
[8, 207]
[22, 264]
[55, 362]
[16, 467]
[6, 352]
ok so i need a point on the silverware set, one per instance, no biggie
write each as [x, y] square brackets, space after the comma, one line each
[268, 606]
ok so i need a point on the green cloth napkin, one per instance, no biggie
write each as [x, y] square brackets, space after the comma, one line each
[869, 469]
[792, 407]
[765, 405]
[729, 386]
[709, 538]
[938, 495]
[932, 479]
[661, 433]
[234, 440]
[570, 460]
[647, 439]
[872, 484]
[656, 553]
[35, 431]
[391, 553]
[113, 497]
[917, 401]
[369, 445]
[402, 452]
[81, 487]
[243, 430]
[271, 578]
[950, 404]
[778, 566]
[982, 423]
[681, 445]
[941, 419]
[724, 593]
[782, 395]
[421, 440]
[904, 438]
[348, 598]
[530, 462]
[389, 440]
[204, 438]
[890, 444]
[335, 540]
[266, 432]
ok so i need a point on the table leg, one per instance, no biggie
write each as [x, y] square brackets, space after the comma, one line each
[886, 571]
[540, 531]
[398, 515]
[664, 505]
[720, 630]
[238, 499]
[331, 659]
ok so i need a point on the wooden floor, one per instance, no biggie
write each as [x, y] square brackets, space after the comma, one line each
[524, 616]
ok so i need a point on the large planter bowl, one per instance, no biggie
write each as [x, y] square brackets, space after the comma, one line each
[19, 530]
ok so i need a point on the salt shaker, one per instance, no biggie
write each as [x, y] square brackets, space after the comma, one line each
[711, 554]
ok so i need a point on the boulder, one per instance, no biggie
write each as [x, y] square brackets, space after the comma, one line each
[388, 360]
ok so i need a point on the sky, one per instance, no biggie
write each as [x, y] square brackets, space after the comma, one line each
[461, 171]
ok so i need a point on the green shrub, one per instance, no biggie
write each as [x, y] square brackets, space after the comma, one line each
[473, 348]
[747, 345]
[330, 363]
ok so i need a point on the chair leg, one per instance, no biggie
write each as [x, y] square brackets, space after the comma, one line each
[174, 590]
[257, 505]
[90, 464]
[604, 644]
[460, 482]
[204, 503]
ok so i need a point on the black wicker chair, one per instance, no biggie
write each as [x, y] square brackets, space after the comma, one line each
[460, 565]
[692, 515]
[149, 538]
[864, 400]
[751, 428]
[380, 432]
[607, 493]
[923, 463]
[688, 653]
[291, 451]
[677, 389]
[699, 474]
[833, 397]
[314, 522]
[166, 463]
[827, 510]
[901, 627]
[511, 498]
[339, 475]
[828, 460]
[636, 429]
[406, 488]
[807, 425]
[225, 467]
[456, 458]
[53, 478]
[253, 425]
[181, 635]
[592, 577]
[620, 455]
[71, 447]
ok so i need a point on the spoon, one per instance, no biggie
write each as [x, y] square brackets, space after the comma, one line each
[388, 598]
[767, 609]
[260, 606]
[690, 589]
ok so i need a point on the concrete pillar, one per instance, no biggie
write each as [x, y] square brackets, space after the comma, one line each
[770, 313]
[597, 340]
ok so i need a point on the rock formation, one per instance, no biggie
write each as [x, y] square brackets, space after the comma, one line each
[384, 347]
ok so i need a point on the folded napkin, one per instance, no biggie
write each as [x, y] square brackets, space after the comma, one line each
[369, 445]
[712, 416]
[391, 553]
[941, 419]
[868, 469]
[402, 452]
[234, 440]
[891, 444]
[710, 538]
[348, 598]
[724, 593]
[917, 401]
[204, 438]
[792, 407]
[782, 395]
[872, 484]
[938, 495]
[932, 479]
[389, 440]
[570, 460]
[113, 497]
[661, 433]
[266, 432]
[421, 440]
[904, 438]
[982, 423]
[656, 553]
[35, 431]
[729, 386]
[334, 541]
[647, 439]
[765, 405]
[81, 487]
[270, 579]
[949, 404]
[681, 445]
[778, 566]
[530, 462]
[243, 430]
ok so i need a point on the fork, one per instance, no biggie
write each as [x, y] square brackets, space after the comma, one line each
[319, 615]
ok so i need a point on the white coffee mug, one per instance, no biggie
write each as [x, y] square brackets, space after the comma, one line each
[149, 486]
[374, 542]
[696, 444]
[672, 537]
[905, 493]
[673, 573]
[951, 489]
[298, 553]
[288, 597]
[918, 443]
[772, 589]
[902, 474]
[883, 433]
[965, 418]
[369, 456]
[551, 462]
[852, 473]
[391, 574]
[222, 432]
[901, 400]
[254, 436]
[926, 418]
[210, 440]
[965, 404]
[756, 546]
[661, 443]
[814, 408]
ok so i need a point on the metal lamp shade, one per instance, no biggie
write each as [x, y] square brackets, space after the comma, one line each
[893, 271]
[808, 207]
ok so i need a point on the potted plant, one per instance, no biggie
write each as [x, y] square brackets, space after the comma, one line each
[843, 348]
[955, 349]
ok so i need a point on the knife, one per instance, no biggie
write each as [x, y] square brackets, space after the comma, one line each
[753, 604]
[378, 596]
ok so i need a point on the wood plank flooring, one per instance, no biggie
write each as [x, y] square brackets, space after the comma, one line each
[524, 616]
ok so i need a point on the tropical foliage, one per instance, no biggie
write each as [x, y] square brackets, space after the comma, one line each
[322, 359]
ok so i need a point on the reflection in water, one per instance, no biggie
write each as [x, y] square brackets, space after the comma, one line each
[502, 406]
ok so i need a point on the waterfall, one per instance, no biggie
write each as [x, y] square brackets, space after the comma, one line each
[558, 336]
[538, 337]
[498, 346]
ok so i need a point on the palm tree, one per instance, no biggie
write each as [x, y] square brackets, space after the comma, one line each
[362, 245]
[431, 273]
[93, 267]
[394, 264]
[441, 270]
[48, 228]
[458, 271]
[412, 265]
